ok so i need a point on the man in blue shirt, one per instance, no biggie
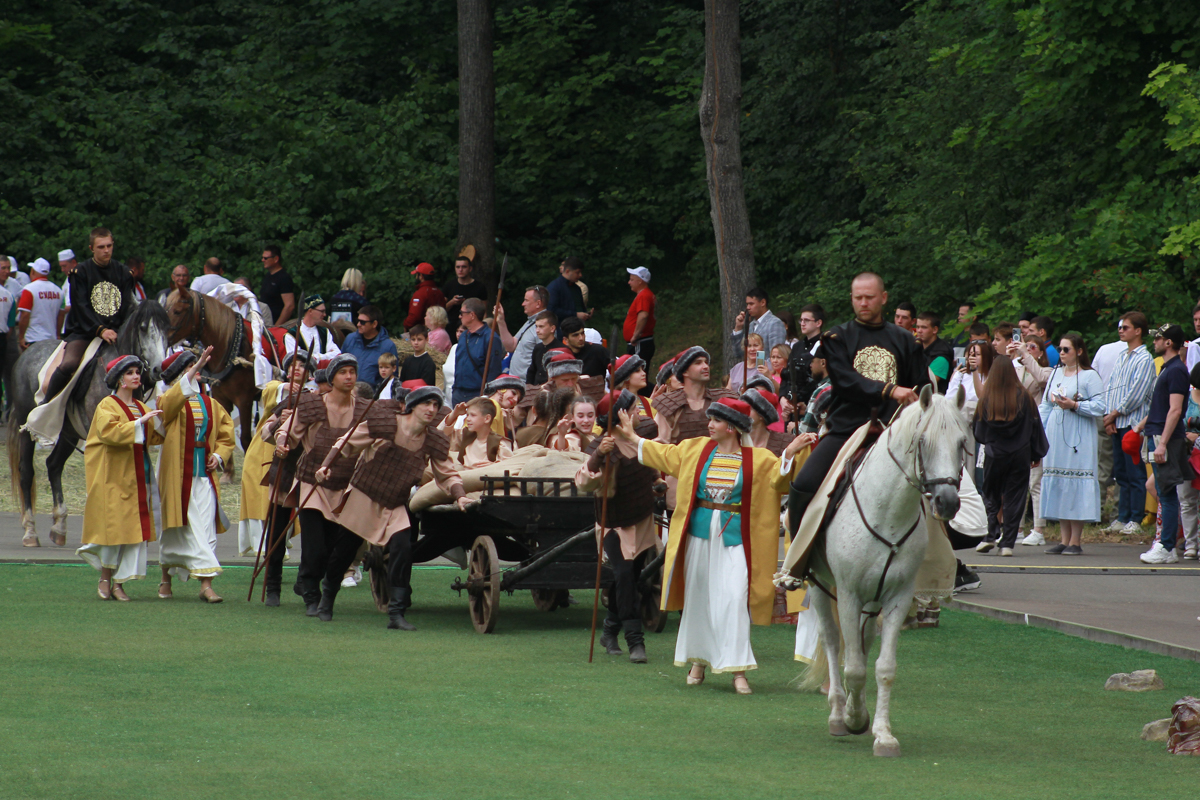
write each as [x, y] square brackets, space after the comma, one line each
[1167, 445]
[472, 353]
[566, 298]
[369, 341]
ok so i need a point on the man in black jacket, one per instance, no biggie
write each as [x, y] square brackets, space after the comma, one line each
[873, 365]
[593, 356]
[939, 355]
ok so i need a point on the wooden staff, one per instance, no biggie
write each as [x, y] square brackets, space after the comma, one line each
[745, 352]
[608, 426]
[487, 358]
[293, 401]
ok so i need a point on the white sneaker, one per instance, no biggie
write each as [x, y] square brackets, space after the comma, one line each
[1116, 526]
[1190, 553]
[1034, 539]
[349, 582]
[1159, 555]
[1131, 529]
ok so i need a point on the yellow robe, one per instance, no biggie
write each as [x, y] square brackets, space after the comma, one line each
[255, 496]
[765, 491]
[171, 471]
[113, 514]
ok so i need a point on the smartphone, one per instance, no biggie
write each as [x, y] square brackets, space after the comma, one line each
[760, 359]
[1017, 337]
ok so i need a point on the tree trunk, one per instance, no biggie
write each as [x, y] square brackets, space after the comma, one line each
[476, 136]
[720, 127]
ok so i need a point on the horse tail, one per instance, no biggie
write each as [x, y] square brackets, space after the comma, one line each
[816, 672]
[13, 445]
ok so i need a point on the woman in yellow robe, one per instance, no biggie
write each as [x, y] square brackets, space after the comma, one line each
[118, 519]
[720, 561]
[197, 443]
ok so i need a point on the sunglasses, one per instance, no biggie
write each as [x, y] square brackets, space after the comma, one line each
[363, 322]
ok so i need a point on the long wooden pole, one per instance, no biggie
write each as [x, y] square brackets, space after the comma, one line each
[487, 358]
[608, 426]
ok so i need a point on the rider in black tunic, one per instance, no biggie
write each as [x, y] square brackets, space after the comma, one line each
[872, 364]
[101, 299]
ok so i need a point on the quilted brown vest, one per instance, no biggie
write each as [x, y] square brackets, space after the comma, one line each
[286, 464]
[388, 478]
[778, 442]
[342, 468]
[632, 498]
[690, 424]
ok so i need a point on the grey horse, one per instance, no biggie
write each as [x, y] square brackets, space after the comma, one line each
[144, 334]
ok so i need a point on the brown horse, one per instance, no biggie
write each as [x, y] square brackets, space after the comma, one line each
[198, 318]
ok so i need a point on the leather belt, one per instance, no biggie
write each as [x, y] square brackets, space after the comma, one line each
[732, 508]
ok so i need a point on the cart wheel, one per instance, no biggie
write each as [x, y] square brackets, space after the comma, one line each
[375, 563]
[483, 580]
[654, 619]
[550, 599]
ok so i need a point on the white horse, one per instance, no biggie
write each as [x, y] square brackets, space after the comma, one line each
[872, 549]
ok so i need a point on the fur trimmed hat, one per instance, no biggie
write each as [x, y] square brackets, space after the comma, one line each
[176, 364]
[116, 368]
[303, 355]
[687, 358]
[759, 381]
[626, 367]
[625, 401]
[764, 403]
[321, 373]
[563, 364]
[505, 382]
[735, 412]
[421, 394]
[339, 361]
[665, 372]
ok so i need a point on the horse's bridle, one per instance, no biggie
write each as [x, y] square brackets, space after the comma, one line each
[197, 317]
[921, 483]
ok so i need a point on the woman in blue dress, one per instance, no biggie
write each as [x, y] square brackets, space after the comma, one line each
[1071, 401]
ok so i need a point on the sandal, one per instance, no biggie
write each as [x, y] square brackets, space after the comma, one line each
[119, 592]
[692, 678]
[168, 594]
[104, 589]
[741, 685]
[209, 596]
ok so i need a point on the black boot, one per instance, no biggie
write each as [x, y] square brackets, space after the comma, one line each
[797, 503]
[310, 609]
[398, 603]
[636, 640]
[272, 597]
[328, 595]
[608, 639]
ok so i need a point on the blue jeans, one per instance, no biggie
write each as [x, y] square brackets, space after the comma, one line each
[1131, 482]
[1168, 503]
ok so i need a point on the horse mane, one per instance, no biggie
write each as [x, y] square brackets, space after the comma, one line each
[941, 420]
[146, 312]
[221, 319]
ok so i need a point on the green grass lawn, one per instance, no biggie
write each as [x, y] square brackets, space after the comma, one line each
[175, 698]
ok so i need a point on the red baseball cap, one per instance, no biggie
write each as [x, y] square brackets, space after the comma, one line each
[424, 268]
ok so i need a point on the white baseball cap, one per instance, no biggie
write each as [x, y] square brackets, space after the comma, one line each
[641, 272]
[66, 255]
[41, 266]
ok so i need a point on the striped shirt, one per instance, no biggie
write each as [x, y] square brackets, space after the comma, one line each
[1130, 387]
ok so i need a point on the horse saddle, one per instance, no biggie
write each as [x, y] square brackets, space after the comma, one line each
[844, 479]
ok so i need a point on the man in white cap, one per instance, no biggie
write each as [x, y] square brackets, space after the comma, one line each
[38, 307]
[639, 320]
[66, 264]
[20, 277]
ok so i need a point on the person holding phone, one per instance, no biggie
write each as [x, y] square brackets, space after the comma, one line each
[1074, 397]
[736, 379]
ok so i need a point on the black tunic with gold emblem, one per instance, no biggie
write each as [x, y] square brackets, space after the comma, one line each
[101, 297]
[865, 363]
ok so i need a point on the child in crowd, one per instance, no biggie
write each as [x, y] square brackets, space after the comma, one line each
[419, 366]
[475, 444]
[387, 372]
[576, 429]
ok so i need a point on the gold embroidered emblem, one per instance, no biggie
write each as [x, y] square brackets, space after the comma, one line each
[876, 363]
[106, 299]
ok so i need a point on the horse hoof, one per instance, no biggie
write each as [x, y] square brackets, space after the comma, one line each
[838, 728]
[58, 539]
[887, 750]
[866, 726]
[30, 540]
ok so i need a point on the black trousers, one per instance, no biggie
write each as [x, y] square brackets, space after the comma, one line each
[400, 564]
[326, 551]
[819, 462]
[274, 573]
[625, 602]
[645, 349]
[1005, 486]
[3, 371]
[72, 355]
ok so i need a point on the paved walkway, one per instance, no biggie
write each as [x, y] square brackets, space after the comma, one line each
[1106, 594]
